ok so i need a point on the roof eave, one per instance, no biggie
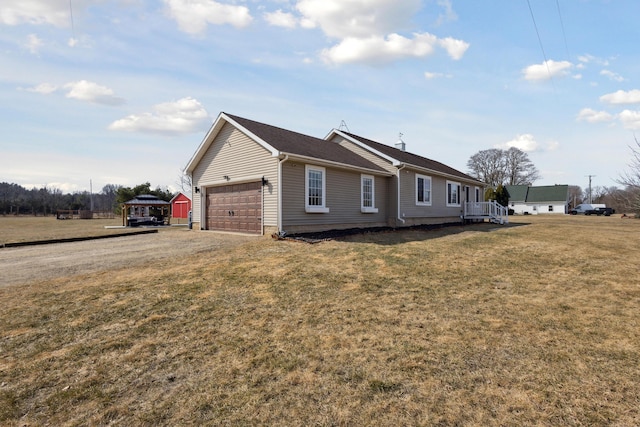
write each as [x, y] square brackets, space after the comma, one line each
[448, 175]
[315, 160]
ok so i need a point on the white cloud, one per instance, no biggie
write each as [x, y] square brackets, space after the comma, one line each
[193, 16]
[613, 76]
[525, 142]
[369, 31]
[430, 76]
[281, 19]
[186, 115]
[455, 48]
[630, 119]
[592, 116]
[84, 90]
[35, 12]
[34, 43]
[585, 59]
[448, 15]
[547, 70]
[357, 18]
[43, 88]
[622, 97]
[379, 50]
[552, 145]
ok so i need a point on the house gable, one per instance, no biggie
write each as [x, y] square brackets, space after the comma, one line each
[213, 132]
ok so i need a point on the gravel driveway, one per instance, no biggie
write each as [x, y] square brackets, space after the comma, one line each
[23, 265]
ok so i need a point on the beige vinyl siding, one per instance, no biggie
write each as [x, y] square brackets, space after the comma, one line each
[235, 155]
[342, 199]
[438, 208]
[384, 164]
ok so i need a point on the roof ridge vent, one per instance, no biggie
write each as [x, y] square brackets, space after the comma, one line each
[400, 145]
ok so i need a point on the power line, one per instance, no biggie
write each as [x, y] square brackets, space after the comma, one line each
[590, 194]
[544, 55]
[73, 30]
[564, 35]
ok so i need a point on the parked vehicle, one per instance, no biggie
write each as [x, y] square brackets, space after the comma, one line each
[601, 211]
[591, 209]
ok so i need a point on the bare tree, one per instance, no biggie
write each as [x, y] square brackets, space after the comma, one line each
[488, 166]
[631, 180]
[503, 167]
[519, 170]
[184, 181]
[575, 196]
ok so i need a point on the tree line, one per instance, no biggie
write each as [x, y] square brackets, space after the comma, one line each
[18, 200]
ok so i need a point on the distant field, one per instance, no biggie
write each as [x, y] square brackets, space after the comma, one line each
[30, 228]
[535, 323]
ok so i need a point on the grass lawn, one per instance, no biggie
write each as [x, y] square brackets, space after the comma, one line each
[30, 228]
[535, 323]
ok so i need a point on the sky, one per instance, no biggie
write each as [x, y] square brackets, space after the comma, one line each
[97, 92]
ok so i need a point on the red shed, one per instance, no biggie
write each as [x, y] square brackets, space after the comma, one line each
[180, 207]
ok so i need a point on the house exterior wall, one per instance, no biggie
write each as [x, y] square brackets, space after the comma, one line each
[238, 157]
[410, 212]
[438, 211]
[343, 191]
[538, 208]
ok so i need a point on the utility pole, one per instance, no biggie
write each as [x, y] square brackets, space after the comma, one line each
[91, 195]
[590, 198]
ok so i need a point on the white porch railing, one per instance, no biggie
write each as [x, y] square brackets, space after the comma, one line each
[493, 211]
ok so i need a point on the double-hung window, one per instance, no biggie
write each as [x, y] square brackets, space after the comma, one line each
[367, 194]
[315, 192]
[453, 193]
[423, 190]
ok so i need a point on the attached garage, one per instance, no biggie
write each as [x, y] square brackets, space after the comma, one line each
[235, 207]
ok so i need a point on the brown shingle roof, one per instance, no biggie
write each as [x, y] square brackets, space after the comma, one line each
[410, 158]
[295, 143]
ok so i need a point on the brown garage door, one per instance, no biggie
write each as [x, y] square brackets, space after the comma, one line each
[235, 207]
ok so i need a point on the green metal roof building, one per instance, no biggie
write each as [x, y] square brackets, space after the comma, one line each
[525, 199]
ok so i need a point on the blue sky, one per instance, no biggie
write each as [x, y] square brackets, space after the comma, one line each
[123, 91]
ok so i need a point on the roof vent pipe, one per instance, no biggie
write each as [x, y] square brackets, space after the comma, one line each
[400, 145]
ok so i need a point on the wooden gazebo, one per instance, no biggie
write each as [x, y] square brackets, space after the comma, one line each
[146, 209]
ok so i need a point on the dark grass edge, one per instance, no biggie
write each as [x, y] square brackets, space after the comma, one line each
[319, 236]
[74, 239]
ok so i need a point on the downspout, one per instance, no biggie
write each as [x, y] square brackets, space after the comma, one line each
[280, 162]
[398, 194]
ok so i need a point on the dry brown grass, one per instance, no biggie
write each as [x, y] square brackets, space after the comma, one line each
[30, 228]
[534, 324]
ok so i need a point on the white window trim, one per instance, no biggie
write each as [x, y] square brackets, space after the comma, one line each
[372, 208]
[309, 208]
[428, 178]
[476, 194]
[458, 192]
